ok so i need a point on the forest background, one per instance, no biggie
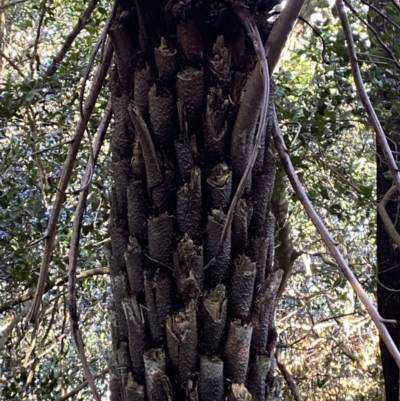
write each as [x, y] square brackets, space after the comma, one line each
[327, 348]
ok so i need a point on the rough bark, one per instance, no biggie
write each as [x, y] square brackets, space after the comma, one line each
[181, 331]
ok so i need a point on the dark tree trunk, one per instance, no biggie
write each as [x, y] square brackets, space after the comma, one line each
[181, 331]
[389, 277]
[388, 255]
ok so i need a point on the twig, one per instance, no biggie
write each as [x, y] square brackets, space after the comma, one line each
[77, 389]
[100, 42]
[74, 249]
[14, 3]
[47, 350]
[389, 52]
[54, 283]
[379, 12]
[330, 243]
[380, 134]
[390, 228]
[83, 20]
[318, 33]
[5, 331]
[65, 176]
[13, 65]
[289, 381]
[58, 145]
[34, 56]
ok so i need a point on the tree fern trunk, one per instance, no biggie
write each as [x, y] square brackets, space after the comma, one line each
[181, 331]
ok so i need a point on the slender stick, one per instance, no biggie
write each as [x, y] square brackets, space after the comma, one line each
[74, 249]
[65, 176]
[83, 20]
[289, 381]
[380, 134]
[77, 389]
[330, 243]
[51, 284]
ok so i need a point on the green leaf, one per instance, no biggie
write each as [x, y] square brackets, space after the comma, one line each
[366, 190]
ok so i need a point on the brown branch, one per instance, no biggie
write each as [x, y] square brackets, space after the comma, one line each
[389, 52]
[289, 381]
[48, 349]
[379, 12]
[387, 222]
[99, 44]
[380, 134]
[14, 3]
[34, 56]
[54, 283]
[6, 330]
[330, 244]
[13, 65]
[281, 30]
[74, 248]
[83, 20]
[58, 145]
[65, 176]
[76, 390]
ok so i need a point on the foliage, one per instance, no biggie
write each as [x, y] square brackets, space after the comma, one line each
[327, 341]
[38, 114]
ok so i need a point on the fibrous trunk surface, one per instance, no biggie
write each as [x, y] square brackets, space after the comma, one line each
[180, 146]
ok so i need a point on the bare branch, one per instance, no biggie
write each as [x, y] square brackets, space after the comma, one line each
[379, 12]
[290, 382]
[99, 44]
[58, 145]
[54, 283]
[13, 65]
[5, 331]
[281, 31]
[389, 52]
[330, 243]
[76, 390]
[65, 176]
[380, 134]
[390, 228]
[396, 4]
[83, 20]
[14, 3]
[74, 248]
[34, 56]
